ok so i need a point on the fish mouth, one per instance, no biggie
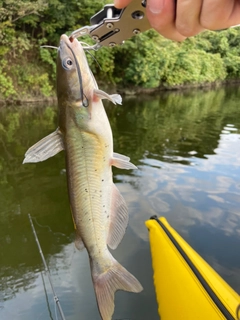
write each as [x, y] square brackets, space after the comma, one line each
[71, 43]
[65, 38]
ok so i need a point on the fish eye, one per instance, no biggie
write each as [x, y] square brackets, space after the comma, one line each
[67, 63]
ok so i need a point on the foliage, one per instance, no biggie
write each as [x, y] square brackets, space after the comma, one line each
[15, 42]
[6, 83]
[49, 56]
[226, 43]
[103, 62]
[147, 60]
[156, 61]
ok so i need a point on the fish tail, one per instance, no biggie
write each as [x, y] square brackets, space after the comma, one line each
[116, 277]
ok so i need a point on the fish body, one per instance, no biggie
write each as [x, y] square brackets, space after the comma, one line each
[99, 211]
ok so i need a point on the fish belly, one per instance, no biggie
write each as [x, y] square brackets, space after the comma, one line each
[89, 183]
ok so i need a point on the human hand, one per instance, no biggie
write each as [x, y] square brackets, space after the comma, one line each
[179, 19]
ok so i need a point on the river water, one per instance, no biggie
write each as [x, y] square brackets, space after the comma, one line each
[187, 149]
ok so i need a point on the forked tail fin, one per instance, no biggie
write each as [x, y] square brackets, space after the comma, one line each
[108, 282]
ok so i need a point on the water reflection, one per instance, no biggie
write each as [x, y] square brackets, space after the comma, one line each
[186, 147]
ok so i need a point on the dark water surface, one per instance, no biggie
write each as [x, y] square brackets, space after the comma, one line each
[187, 149]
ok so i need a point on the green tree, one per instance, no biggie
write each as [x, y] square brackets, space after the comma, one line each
[147, 60]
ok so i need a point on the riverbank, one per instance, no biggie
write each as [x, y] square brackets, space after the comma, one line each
[123, 91]
[33, 100]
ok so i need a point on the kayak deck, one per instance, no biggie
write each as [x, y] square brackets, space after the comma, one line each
[186, 286]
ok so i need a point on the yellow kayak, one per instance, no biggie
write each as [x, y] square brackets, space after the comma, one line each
[186, 286]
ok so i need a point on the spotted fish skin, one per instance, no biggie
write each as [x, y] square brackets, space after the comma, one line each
[99, 211]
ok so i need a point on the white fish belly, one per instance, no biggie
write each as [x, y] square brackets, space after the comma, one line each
[89, 182]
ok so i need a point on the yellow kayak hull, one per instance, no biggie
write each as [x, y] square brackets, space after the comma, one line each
[186, 286]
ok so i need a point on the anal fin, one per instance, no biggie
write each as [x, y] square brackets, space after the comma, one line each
[118, 219]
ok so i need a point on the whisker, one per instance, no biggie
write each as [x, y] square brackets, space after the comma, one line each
[94, 58]
[88, 46]
[46, 46]
[82, 42]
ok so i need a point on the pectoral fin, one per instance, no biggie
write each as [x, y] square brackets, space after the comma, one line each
[122, 162]
[45, 148]
[114, 98]
[120, 156]
[118, 219]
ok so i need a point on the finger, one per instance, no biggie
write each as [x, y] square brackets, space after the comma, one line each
[234, 18]
[220, 14]
[188, 17]
[121, 3]
[161, 15]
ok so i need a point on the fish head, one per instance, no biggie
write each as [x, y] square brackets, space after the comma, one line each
[75, 82]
